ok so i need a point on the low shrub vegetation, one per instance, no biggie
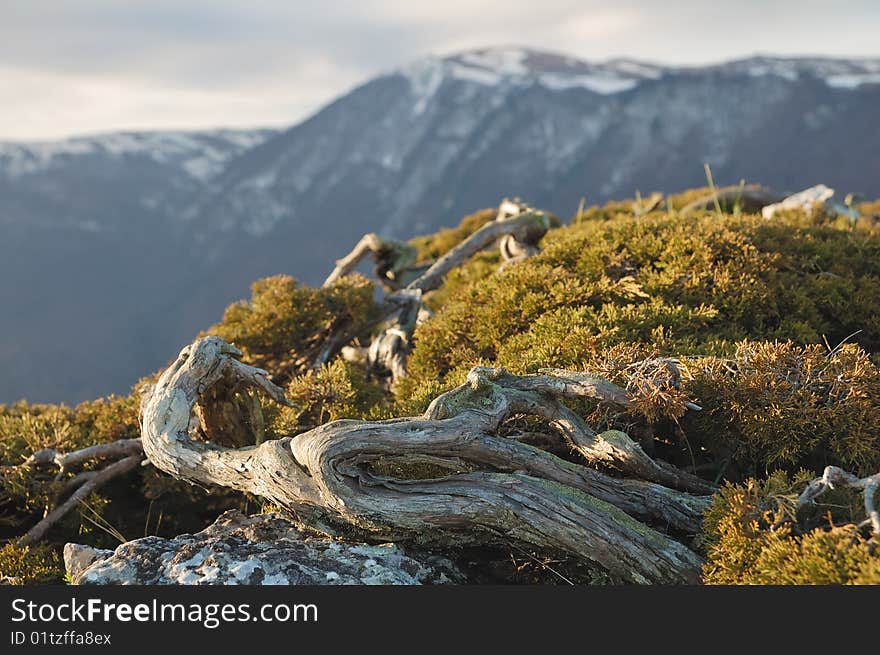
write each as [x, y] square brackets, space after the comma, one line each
[772, 327]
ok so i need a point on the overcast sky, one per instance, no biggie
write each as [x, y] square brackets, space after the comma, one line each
[70, 67]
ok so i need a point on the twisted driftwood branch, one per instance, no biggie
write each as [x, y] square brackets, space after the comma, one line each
[612, 448]
[65, 461]
[836, 477]
[445, 478]
[90, 484]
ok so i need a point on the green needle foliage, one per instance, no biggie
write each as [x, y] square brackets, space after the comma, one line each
[753, 537]
[284, 324]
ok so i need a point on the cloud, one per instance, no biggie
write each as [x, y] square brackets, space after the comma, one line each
[62, 105]
[98, 65]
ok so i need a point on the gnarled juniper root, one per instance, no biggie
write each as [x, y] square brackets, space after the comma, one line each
[479, 488]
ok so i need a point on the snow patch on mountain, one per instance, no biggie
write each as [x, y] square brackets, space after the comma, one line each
[517, 67]
[425, 77]
[503, 61]
[605, 84]
[486, 77]
[508, 67]
[852, 81]
[202, 154]
[836, 73]
[637, 68]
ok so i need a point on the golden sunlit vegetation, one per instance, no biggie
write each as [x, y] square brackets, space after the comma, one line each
[773, 328]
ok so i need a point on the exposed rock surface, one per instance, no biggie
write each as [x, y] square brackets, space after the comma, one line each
[804, 200]
[79, 557]
[264, 549]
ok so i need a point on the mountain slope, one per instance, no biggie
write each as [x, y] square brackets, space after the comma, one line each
[106, 240]
[421, 146]
[87, 258]
[429, 142]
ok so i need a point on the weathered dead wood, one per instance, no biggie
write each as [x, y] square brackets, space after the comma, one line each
[612, 448]
[750, 198]
[445, 478]
[836, 477]
[395, 261]
[82, 484]
[390, 347]
[66, 461]
[89, 484]
[231, 415]
[517, 228]
[515, 249]
[643, 206]
[526, 227]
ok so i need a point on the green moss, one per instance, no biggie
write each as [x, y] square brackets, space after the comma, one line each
[339, 390]
[22, 565]
[627, 208]
[778, 405]
[434, 246]
[749, 540]
[411, 468]
[284, 324]
[25, 429]
[278, 329]
[746, 304]
[602, 507]
[140, 503]
[604, 294]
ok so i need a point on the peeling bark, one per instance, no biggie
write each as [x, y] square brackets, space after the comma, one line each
[445, 478]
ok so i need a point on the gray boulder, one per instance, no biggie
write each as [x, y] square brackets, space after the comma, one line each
[265, 549]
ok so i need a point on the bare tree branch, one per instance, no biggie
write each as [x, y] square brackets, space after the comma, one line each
[519, 229]
[65, 461]
[90, 484]
[527, 227]
[445, 478]
[395, 261]
[85, 482]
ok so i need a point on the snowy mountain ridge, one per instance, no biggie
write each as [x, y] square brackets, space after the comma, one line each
[202, 154]
[523, 66]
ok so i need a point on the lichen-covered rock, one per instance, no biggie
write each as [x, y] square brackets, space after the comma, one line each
[263, 549]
